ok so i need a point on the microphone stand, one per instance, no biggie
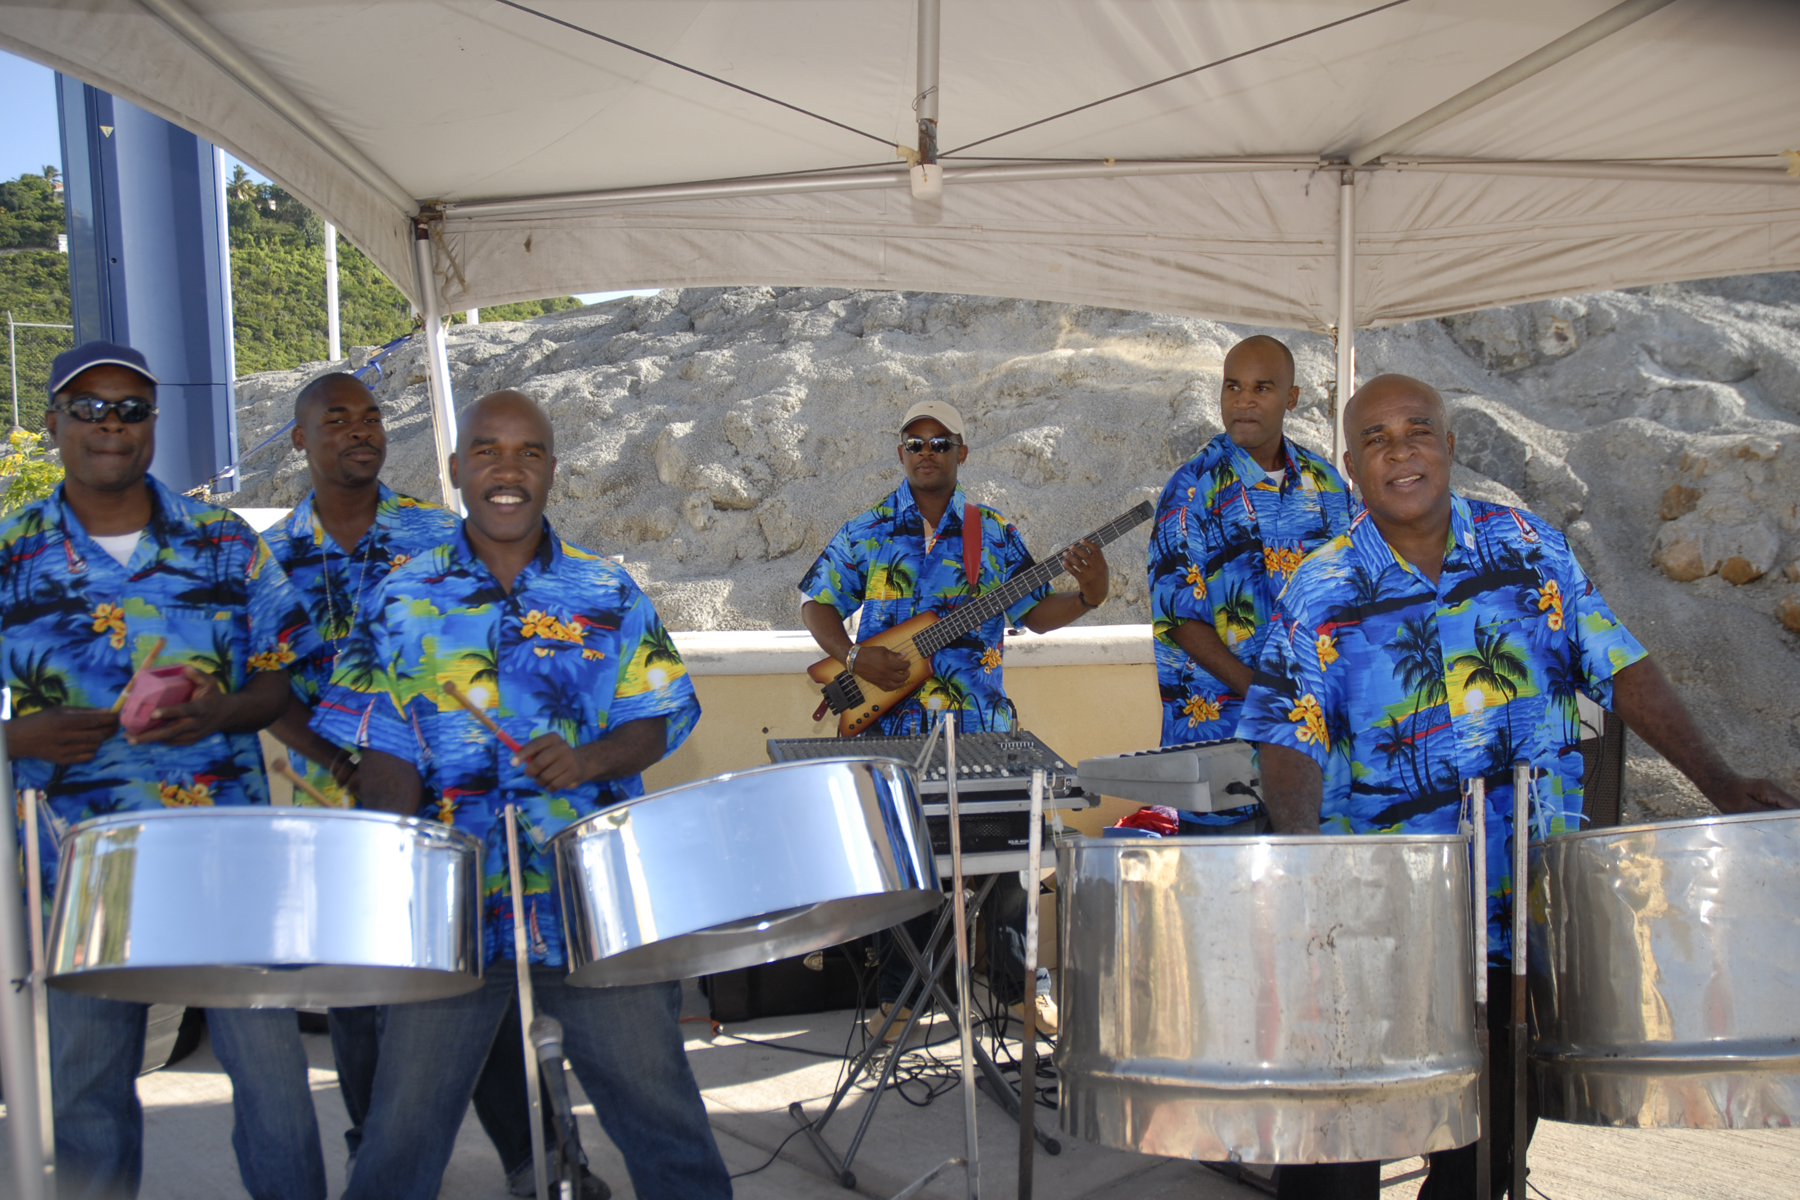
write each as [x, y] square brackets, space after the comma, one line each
[527, 1008]
[972, 1151]
[547, 1048]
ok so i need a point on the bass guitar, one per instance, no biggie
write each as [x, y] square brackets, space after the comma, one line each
[857, 702]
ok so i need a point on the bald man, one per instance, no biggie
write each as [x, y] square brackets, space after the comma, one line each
[1438, 641]
[568, 657]
[1232, 525]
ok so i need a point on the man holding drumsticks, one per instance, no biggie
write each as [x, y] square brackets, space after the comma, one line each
[344, 537]
[110, 571]
[567, 660]
[1441, 640]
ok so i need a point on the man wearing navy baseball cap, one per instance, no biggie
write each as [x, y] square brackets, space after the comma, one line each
[109, 575]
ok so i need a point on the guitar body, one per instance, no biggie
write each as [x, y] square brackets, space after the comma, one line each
[860, 717]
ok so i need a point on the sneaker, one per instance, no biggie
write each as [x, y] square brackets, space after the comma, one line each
[524, 1183]
[1048, 1019]
[873, 1024]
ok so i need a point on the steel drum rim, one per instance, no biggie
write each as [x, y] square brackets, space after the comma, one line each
[612, 811]
[422, 825]
[1605, 831]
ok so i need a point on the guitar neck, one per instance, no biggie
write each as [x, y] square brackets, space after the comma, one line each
[991, 604]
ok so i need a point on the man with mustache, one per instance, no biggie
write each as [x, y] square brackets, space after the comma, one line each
[909, 555]
[93, 580]
[1440, 640]
[570, 659]
[341, 540]
[1233, 523]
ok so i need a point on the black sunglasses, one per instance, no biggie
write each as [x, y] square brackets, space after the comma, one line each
[937, 445]
[93, 410]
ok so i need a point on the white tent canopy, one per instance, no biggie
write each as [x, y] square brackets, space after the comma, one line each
[1654, 154]
[511, 149]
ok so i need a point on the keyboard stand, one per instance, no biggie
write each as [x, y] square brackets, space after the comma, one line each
[931, 966]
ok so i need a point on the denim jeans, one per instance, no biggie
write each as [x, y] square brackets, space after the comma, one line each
[623, 1043]
[96, 1051]
[500, 1101]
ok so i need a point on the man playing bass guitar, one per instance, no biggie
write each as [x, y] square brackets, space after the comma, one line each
[911, 554]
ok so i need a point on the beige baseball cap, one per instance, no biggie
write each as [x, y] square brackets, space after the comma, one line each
[938, 411]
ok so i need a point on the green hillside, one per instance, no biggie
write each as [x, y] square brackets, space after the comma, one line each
[277, 284]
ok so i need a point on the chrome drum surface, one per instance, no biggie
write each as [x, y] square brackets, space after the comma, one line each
[1268, 999]
[261, 907]
[1665, 965]
[743, 869]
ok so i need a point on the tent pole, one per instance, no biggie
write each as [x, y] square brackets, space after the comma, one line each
[925, 100]
[437, 364]
[1569, 44]
[1346, 312]
[334, 341]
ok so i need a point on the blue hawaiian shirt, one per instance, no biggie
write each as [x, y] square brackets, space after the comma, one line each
[75, 625]
[335, 585]
[575, 648]
[1226, 541]
[1400, 689]
[883, 562]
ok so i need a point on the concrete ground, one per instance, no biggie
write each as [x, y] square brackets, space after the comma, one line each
[748, 1085]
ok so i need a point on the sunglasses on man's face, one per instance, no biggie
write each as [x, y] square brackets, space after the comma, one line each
[937, 445]
[93, 410]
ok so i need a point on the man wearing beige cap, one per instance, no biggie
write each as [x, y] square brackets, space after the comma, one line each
[909, 555]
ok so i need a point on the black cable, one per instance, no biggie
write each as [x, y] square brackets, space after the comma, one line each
[1534, 1187]
[1217, 62]
[669, 62]
[770, 1161]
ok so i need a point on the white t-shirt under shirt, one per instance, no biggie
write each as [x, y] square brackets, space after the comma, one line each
[120, 545]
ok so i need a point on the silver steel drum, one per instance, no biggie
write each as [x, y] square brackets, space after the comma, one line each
[1665, 965]
[1268, 999]
[743, 869]
[262, 907]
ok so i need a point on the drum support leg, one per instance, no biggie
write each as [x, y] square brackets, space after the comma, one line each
[1484, 1148]
[33, 1172]
[927, 974]
[527, 1008]
[1521, 886]
[1028, 1034]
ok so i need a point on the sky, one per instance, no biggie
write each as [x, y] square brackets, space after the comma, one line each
[29, 139]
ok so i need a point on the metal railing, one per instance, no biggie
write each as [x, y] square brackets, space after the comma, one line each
[12, 356]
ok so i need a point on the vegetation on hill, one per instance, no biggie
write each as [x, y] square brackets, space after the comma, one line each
[277, 284]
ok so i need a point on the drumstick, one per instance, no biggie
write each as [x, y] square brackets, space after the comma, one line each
[458, 695]
[286, 770]
[156, 648]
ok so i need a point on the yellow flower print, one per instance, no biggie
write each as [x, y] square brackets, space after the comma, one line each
[541, 624]
[1327, 648]
[593, 655]
[272, 660]
[176, 796]
[1197, 581]
[1550, 601]
[1198, 709]
[990, 659]
[1278, 561]
[398, 561]
[110, 617]
[1311, 718]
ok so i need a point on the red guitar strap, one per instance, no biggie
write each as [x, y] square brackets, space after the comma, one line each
[972, 548]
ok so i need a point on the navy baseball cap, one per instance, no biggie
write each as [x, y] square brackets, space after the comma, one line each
[71, 363]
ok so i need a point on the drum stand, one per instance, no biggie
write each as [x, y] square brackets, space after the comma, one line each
[527, 1008]
[927, 975]
[1523, 777]
[24, 1035]
[1484, 1147]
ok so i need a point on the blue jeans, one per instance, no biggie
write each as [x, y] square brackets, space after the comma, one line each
[623, 1043]
[96, 1051]
[500, 1100]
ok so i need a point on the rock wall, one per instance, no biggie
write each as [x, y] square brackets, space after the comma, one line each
[717, 438]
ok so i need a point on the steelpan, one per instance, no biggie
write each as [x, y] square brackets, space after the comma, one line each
[261, 907]
[1665, 963]
[1268, 999]
[743, 869]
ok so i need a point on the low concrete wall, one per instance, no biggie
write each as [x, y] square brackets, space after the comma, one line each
[1085, 691]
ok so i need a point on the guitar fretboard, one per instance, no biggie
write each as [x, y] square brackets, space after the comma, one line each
[990, 604]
